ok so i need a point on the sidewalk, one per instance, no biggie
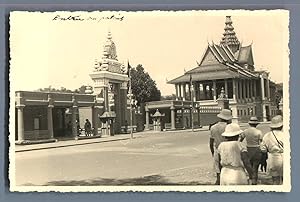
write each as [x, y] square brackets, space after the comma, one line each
[72, 142]
[69, 143]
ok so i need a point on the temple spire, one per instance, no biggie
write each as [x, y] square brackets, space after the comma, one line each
[229, 37]
[109, 50]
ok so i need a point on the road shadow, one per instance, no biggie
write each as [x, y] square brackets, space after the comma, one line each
[147, 180]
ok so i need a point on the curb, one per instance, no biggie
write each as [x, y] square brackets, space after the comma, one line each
[70, 145]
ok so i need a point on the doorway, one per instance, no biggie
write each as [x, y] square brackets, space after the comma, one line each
[61, 122]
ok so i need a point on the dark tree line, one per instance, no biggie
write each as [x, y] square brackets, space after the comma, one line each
[80, 90]
[144, 88]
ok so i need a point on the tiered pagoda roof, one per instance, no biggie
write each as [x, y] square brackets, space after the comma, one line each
[225, 60]
[229, 37]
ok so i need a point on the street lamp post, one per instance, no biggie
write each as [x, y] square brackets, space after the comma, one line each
[131, 110]
[131, 118]
[132, 105]
[197, 106]
[192, 109]
[192, 105]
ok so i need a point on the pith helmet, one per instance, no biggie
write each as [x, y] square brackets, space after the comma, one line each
[276, 122]
[225, 114]
[253, 120]
[231, 130]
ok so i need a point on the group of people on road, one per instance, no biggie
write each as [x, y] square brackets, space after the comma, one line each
[238, 154]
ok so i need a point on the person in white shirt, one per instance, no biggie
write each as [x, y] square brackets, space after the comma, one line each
[273, 144]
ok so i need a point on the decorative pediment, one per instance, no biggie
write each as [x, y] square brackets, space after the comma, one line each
[209, 58]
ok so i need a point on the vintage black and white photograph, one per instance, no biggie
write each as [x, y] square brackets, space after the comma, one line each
[149, 101]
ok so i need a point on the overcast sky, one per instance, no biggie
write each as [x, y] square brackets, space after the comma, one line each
[61, 53]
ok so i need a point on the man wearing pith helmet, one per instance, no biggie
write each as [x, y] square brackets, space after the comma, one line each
[273, 144]
[216, 138]
[253, 138]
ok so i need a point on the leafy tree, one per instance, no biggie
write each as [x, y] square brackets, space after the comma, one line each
[278, 93]
[81, 90]
[144, 87]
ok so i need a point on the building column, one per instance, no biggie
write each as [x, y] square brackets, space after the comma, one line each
[189, 91]
[204, 91]
[21, 136]
[237, 82]
[182, 120]
[106, 100]
[198, 91]
[74, 122]
[180, 91]
[251, 89]
[215, 90]
[234, 90]
[95, 119]
[254, 89]
[184, 92]
[193, 92]
[268, 88]
[240, 89]
[173, 118]
[191, 116]
[176, 89]
[248, 88]
[244, 90]
[147, 118]
[226, 87]
[262, 83]
[50, 121]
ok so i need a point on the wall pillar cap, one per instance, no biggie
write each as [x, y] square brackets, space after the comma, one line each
[20, 106]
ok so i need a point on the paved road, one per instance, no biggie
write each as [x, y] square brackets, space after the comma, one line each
[161, 158]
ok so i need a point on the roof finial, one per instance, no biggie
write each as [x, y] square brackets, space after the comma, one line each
[109, 35]
[229, 37]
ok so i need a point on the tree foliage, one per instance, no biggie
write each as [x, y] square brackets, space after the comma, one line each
[80, 90]
[144, 87]
[168, 97]
[56, 90]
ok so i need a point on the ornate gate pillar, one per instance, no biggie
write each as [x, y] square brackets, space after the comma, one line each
[147, 118]
[173, 118]
[21, 136]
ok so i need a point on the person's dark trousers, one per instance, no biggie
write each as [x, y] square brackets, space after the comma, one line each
[254, 154]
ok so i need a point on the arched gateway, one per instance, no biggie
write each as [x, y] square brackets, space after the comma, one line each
[110, 84]
[48, 116]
